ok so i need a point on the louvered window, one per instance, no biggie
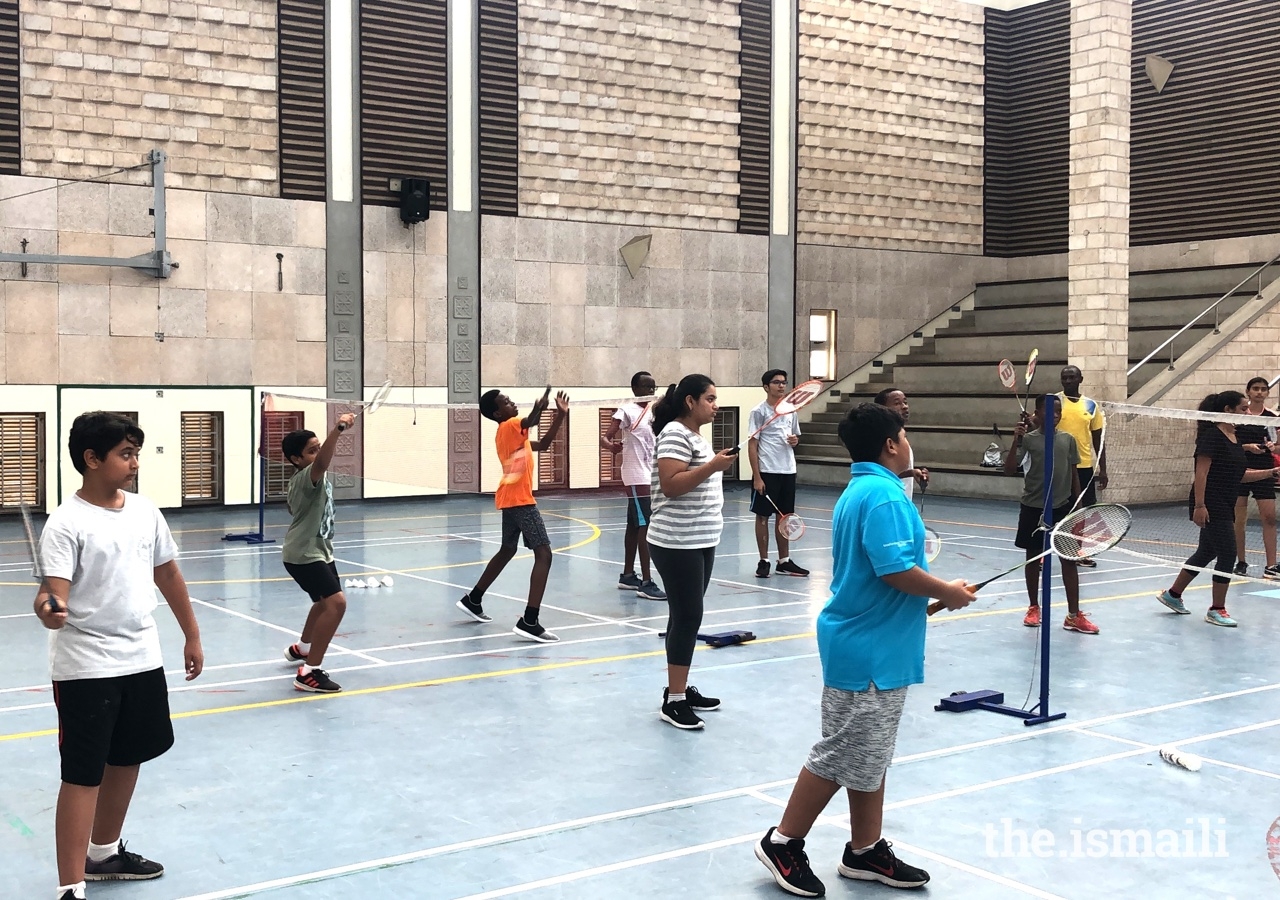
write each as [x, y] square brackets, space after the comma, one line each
[756, 39]
[201, 458]
[610, 462]
[499, 107]
[724, 433]
[553, 463]
[403, 91]
[21, 460]
[275, 425]
[10, 148]
[302, 131]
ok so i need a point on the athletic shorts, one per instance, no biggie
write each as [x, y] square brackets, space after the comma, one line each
[526, 522]
[120, 721]
[318, 579]
[1088, 490]
[1259, 490]
[639, 507]
[781, 490]
[1030, 537]
[859, 731]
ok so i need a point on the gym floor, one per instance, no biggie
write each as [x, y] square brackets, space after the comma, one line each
[462, 762]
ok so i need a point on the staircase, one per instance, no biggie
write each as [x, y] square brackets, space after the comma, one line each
[948, 371]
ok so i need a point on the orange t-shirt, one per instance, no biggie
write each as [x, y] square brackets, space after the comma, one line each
[516, 456]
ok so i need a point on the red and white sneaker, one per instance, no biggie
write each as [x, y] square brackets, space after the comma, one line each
[1032, 618]
[1079, 622]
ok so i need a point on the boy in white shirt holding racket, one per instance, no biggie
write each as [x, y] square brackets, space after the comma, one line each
[101, 556]
[773, 468]
[631, 434]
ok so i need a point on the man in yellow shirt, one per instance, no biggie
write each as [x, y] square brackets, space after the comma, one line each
[1082, 418]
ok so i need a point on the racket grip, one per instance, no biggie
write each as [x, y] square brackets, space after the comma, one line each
[342, 427]
[938, 605]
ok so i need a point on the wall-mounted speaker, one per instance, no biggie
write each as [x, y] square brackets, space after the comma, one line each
[415, 200]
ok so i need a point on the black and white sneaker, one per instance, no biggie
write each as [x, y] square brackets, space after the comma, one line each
[789, 865]
[696, 700]
[879, 864]
[294, 655]
[1271, 572]
[317, 681]
[1087, 563]
[1242, 568]
[790, 568]
[679, 714]
[629, 581]
[474, 610]
[534, 632]
[762, 569]
[122, 866]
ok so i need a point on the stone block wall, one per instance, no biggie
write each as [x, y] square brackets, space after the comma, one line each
[105, 81]
[223, 316]
[629, 112]
[560, 307]
[890, 124]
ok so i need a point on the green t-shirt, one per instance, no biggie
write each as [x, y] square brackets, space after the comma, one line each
[1066, 458]
[310, 537]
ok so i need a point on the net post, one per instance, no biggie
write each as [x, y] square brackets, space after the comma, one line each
[1046, 568]
[259, 536]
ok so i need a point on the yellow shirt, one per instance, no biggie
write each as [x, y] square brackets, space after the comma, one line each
[1081, 417]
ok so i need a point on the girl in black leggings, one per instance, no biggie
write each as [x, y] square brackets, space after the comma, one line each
[1220, 468]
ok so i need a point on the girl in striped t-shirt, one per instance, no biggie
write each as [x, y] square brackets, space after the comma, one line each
[685, 529]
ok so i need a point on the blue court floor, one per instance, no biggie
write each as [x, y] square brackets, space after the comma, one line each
[462, 762]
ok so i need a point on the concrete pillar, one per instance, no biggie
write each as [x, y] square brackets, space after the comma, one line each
[782, 189]
[1098, 256]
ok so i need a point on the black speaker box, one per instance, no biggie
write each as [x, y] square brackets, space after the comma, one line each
[415, 200]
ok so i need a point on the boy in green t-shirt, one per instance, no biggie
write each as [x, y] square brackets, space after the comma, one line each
[308, 551]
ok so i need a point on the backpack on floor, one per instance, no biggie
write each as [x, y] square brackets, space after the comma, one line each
[993, 456]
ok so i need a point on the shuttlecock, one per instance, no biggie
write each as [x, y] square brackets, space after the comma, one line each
[352, 584]
[372, 582]
[1176, 757]
[386, 581]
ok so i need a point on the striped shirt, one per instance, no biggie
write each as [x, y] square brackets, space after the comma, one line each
[694, 520]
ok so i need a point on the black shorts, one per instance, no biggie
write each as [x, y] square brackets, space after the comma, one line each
[1259, 490]
[1088, 490]
[318, 579]
[781, 490]
[1030, 537]
[526, 522]
[639, 506]
[120, 721]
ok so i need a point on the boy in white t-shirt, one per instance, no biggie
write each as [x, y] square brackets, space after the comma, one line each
[103, 553]
[773, 466]
[630, 433]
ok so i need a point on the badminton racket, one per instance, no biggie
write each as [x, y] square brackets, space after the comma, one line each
[33, 551]
[373, 405]
[1009, 379]
[646, 416]
[800, 397]
[1031, 374]
[932, 544]
[790, 526]
[1081, 535]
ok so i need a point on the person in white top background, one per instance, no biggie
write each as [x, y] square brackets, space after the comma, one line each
[773, 471]
[630, 434]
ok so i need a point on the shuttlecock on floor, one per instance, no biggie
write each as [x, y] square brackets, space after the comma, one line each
[1176, 757]
[386, 581]
[372, 582]
[351, 584]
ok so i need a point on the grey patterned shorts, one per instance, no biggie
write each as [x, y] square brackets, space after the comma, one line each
[526, 522]
[859, 730]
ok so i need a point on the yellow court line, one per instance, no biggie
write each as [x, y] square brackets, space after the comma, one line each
[544, 667]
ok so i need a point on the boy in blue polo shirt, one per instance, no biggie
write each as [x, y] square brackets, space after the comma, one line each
[871, 641]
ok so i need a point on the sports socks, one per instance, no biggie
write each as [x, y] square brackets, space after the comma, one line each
[304, 647]
[77, 890]
[675, 698]
[102, 852]
[864, 849]
[779, 838]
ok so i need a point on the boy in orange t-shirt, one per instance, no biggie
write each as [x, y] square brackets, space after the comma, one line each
[520, 516]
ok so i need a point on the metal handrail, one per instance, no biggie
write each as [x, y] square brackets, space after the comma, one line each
[1211, 308]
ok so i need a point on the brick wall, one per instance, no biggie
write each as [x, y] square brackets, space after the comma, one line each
[104, 81]
[890, 124]
[628, 112]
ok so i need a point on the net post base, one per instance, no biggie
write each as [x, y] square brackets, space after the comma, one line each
[251, 537]
[992, 701]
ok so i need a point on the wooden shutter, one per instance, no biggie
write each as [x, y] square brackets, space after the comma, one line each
[1027, 111]
[201, 458]
[403, 91]
[755, 34]
[10, 125]
[610, 462]
[553, 463]
[21, 460]
[499, 107]
[302, 132]
[275, 425]
[724, 433]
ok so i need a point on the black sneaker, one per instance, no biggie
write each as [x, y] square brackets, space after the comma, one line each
[790, 866]
[1087, 563]
[790, 568]
[534, 632]
[679, 713]
[122, 866]
[762, 569]
[696, 700]
[1242, 568]
[474, 610]
[294, 655]
[317, 681]
[629, 581]
[1271, 572]
[68, 895]
[879, 864]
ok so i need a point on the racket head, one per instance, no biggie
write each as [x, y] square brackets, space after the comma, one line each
[800, 397]
[33, 549]
[1008, 377]
[1087, 532]
[791, 527]
[1031, 365]
[932, 545]
[379, 398]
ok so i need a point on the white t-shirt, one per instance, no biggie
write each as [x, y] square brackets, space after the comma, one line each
[637, 445]
[693, 520]
[109, 556]
[777, 457]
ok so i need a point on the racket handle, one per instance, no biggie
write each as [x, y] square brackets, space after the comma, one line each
[342, 427]
[938, 605]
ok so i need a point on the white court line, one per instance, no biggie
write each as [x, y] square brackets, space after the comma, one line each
[280, 628]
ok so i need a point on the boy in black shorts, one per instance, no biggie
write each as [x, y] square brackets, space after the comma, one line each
[103, 553]
[1027, 452]
[520, 516]
[773, 467]
[308, 552]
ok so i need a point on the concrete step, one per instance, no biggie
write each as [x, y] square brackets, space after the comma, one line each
[1158, 283]
[944, 480]
[991, 347]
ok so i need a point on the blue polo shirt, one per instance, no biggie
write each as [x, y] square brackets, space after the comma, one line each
[869, 632]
